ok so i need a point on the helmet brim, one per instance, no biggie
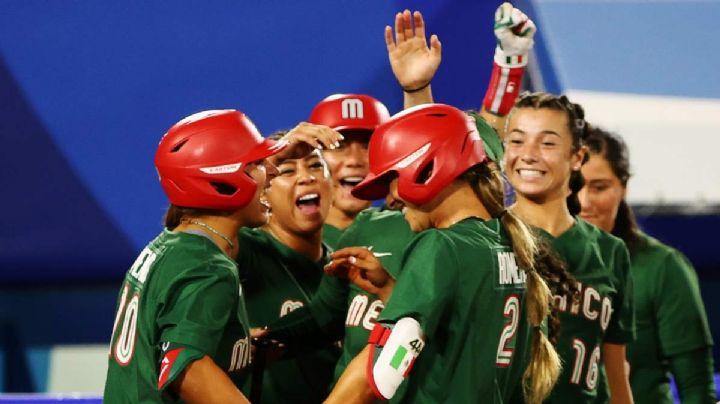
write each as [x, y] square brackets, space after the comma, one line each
[372, 187]
[265, 149]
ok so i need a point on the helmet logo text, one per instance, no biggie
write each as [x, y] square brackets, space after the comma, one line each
[228, 168]
[352, 108]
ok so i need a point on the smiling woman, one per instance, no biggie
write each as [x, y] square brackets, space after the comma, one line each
[281, 265]
[672, 328]
[543, 157]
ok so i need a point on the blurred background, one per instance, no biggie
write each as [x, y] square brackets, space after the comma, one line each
[87, 88]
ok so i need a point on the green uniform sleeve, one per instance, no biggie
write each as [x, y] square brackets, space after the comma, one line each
[621, 328]
[681, 320]
[322, 319]
[425, 287]
[196, 307]
[693, 372]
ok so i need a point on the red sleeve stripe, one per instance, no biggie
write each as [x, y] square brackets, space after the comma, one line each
[166, 366]
[369, 372]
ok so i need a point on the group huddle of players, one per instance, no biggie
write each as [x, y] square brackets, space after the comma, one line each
[504, 265]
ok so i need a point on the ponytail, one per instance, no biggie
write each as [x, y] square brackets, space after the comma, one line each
[546, 275]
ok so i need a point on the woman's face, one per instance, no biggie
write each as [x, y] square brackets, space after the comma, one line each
[418, 219]
[601, 196]
[301, 194]
[256, 212]
[348, 165]
[539, 153]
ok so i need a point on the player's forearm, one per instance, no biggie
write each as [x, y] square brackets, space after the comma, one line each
[204, 382]
[693, 372]
[353, 387]
[496, 121]
[411, 99]
[614, 361]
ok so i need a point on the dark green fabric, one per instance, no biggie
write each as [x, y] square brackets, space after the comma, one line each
[604, 313]
[331, 235]
[491, 140]
[671, 319]
[278, 280]
[190, 296]
[457, 283]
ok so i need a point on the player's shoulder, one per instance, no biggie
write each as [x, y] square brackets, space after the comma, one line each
[181, 254]
[652, 252]
[376, 215]
[603, 239]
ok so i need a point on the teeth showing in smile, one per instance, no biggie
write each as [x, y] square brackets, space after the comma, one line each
[351, 181]
[530, 173]
[308, 197]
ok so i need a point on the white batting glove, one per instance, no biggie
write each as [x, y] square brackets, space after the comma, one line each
[514, 32]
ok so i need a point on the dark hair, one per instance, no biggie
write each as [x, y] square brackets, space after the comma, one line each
[547, 275]
[176, 214]
[277, 135]
[613, 149]
[578, 129]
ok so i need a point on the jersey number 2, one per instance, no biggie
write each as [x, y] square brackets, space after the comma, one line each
[511, 311]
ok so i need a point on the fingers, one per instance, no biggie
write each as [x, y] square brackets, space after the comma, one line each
[435, 46]
[348, 252]
[399, 32]
[407, 25]
[419, 25]
[318, 136]
[389, 39]
[258, 332]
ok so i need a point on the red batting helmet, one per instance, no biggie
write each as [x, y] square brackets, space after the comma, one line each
[201, 160]
[427, 146]
[349, 111]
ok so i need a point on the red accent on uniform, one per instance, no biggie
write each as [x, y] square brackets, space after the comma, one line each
[509, 91]
[385, 336]
[410, 141]
[376, 333]
[331, 112]
[410, 366]
[211, 139]
[166, 366]
[369, 373]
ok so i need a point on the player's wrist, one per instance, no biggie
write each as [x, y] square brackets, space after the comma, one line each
[509, 59]
[503, 89]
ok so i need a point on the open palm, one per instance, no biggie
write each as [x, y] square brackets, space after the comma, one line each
[413, 62]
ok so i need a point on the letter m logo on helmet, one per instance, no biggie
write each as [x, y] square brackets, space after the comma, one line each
[352, 108]
[350, 112]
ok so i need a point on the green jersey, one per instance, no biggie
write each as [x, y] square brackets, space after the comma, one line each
[603, 313]
[181, 300]
[387, 233]
[671, 318]
[463, 286]
[331, 235]
[278, 280]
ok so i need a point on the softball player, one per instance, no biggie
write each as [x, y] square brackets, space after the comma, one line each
[355, 116]
[181, 330]
[281, 265]
[461, 291]
[543, 154]
[672, 328]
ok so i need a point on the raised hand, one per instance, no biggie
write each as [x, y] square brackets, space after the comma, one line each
[514, 32]
[306, 137]
[413, 62]
[361, 267]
